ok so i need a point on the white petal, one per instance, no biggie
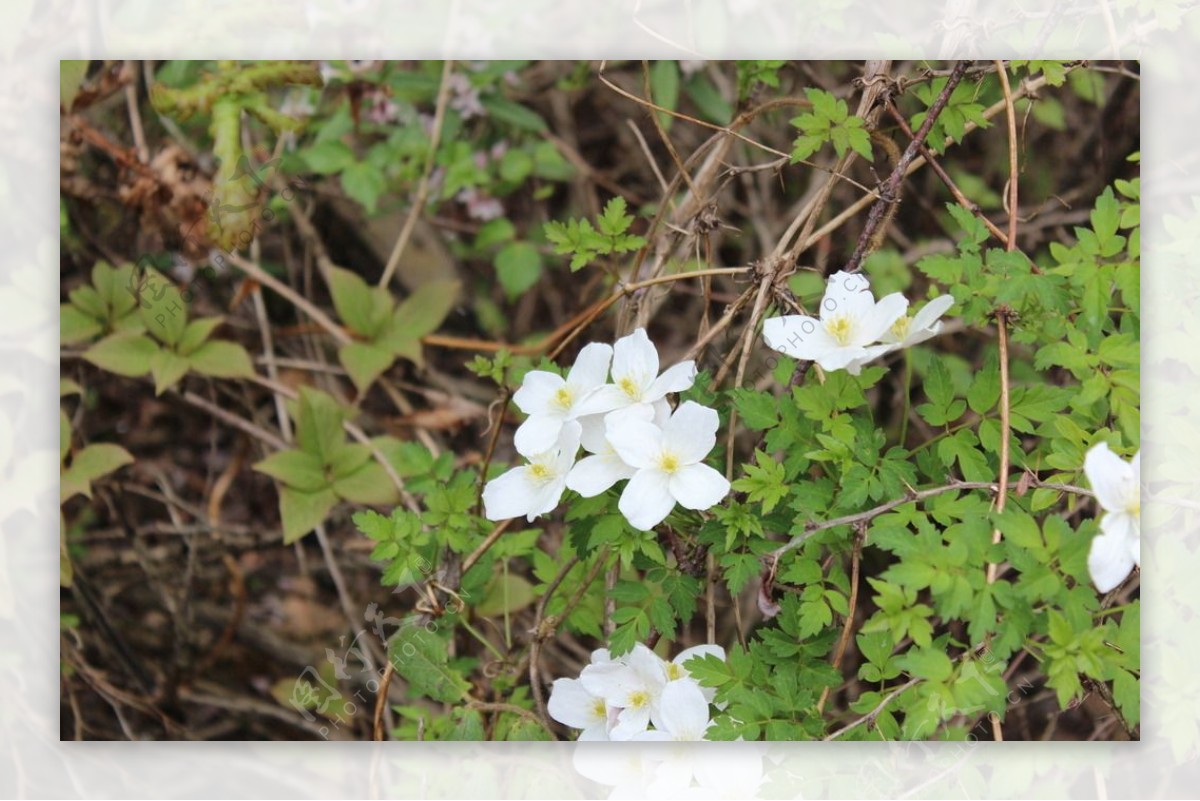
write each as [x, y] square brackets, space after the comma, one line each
[691, 432]
[601, 400]
[537, 391]
[1110, 560]
[649, 667]
[546, 498]
[683, 711]
[882, 317]
[510, 495]
[673, 379]
[568, 447]
[600, 656]
[661, 412]
[591, 367]
[537, 434]
[630, 722]
[593, 475]
[612, 681]
[698, 486]
[1111, 477]
[930, 313]
[572, 705]
[707, 649]
[866, 355]
[798, 336]
[653, 736]
[849, 294]
[636, 358]
[594, 734]
[592, 435]
[637, 442]
[647, 499]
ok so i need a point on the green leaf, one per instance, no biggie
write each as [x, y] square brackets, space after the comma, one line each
[222, 359]
[494, 232]
[364, 182]
[758, 410]
[76, 326]
[196, 333]
[514, 114]
[301, 512]
[984, 391]
[419, 314]
[358, 305]
[369, 484]
[168, 368]
[364, 363]
[328, 156]
[422, 659]
[90, 464]
[163, 310]
[505, 594]
[319, 424]
[128, 354]
[927, 663]
[295, 468]
[71, 73]
[664, 89]
[518, 267]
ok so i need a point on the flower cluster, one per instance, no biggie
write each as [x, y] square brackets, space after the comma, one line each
[619, 699]
[853, 328]
[1118, 547]
[628, 430]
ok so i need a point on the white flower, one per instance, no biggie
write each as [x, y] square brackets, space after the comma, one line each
[1116, 483]
[683, 714]
[594, 474]
[850, 322]
[635, 377]
[925, 324]
[535, 488]
[669, 462]
[633, 684]
[550, 401]
[572, 705]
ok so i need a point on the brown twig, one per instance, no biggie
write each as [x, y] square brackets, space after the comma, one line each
[860, 538]
[889, 193]
[385, 682]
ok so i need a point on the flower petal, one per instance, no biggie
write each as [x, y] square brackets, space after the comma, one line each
[635, 358]
[537, 390]
[591, 367]
[592, 435]
[849, 294]
[698, 486]
[673, 379]
[572, 705]
[798, 336]
[612, 681]
[1111, 477]
[630, 722]
[593, 475]
[567, 446]
[537, 434]
[866, 355]
[691, 432]
[930, 313]
[647, 499]
[637, 442]
[601, 400]
[683, 711]
[509, 495]
[1110, 559]
[882, 317]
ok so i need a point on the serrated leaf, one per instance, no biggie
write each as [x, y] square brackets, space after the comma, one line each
[927, 663]
[128, 353]
[364, 182]
[301, 512]
[421, 658]
[328, 156]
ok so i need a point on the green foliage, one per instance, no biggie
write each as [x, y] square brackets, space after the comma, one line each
[961, 108]
[585, 243]
[163, 342]
[107, 305]
[829, 121]
[385, 330]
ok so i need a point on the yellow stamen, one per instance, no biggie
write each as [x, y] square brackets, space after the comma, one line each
[598, 708]
[840, 327]
[669, 462]
[539, 471]
[638, 699]
[674, 672]
[564, 398]
[900, 327]
[630, 388]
